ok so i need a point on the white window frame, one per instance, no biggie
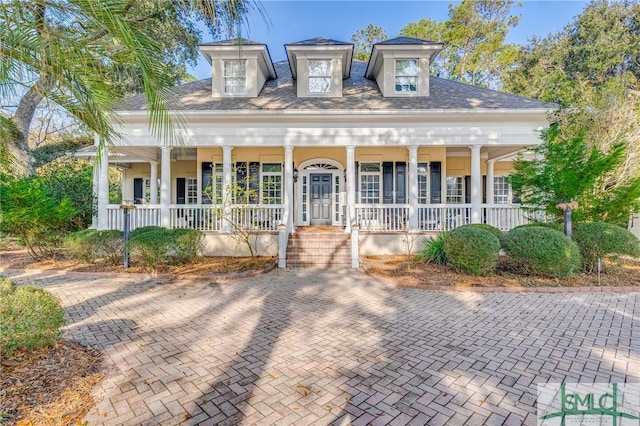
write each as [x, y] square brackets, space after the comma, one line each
[455, 190]
[191, 191]
[234, 83]
[423, 183]
[408, 77]
[502, 191]
[271, 184]
[370, 182]
[320, 76]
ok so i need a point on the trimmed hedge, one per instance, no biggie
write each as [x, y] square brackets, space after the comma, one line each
[472, 250]
[537, 250]
[601, 240]
[89, 245]
[30, 317]
[156, 245]
[433, 250]
[549, 225]
[495, 231]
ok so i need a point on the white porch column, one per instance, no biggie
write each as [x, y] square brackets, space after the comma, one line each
[476, 185]
[96, 193]
[153, 187]
[490, 195]
[351, 186]
[227, 182]
[165, 187]
[288, 187]
[413, 189]
[102, 163]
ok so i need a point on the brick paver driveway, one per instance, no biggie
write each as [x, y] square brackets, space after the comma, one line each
[323, 347]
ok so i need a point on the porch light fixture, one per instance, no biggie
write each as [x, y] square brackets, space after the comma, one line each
[295, 175]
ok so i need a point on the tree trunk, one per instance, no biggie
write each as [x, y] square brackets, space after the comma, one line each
[20, 150]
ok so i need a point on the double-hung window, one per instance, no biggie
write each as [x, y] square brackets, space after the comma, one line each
[235, 77]
[423, 183]
[455, 189]
[192, 191]
[370, 174]
[501, 190]
[406, 76]
[319, 76]
[271, 183]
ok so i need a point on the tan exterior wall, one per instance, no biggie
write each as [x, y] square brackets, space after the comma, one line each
[301, 155]
[225, 245]
[379, 244]
[503, 168]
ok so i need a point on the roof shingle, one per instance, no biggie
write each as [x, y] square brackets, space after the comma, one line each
[359, 94]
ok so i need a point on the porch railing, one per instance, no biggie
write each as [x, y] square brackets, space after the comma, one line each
[255, 217]
[504, 216]
[142, 215]
[442, 217]
[382, 217]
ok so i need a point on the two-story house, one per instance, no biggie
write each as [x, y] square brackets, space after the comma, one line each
[379, 148]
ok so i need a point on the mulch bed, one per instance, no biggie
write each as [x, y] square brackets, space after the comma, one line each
[408, 272]
[48, 386]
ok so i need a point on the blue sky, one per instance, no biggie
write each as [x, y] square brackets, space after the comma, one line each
[296, 20]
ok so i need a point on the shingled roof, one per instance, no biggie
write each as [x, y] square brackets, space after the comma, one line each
[359, 94]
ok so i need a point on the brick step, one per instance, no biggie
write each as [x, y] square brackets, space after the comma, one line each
[329, 250]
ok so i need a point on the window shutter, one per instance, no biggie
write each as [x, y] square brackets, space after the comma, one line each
[138, 191]
[387, 183]
[180, 190]
[484, 189]
[254, 182]
[207, 183]
[467, 189]
[357, 173]
[436, 182]
[401, 182]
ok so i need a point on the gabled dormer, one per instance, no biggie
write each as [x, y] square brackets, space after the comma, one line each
[319, 65]
[400, 66]
[239, 67]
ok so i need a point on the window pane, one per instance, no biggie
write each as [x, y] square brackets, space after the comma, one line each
[319, 68]
[235, 68]
[455, 189]
[501, 190]
[319, 85]
[271, 168]
[370, 167]
[407, 67]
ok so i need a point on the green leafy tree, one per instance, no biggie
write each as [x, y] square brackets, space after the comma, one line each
[71, 179]
[591, 68]
[568, 169]
[29, 211]
[364, 40]
[85, 55]
[474, 35]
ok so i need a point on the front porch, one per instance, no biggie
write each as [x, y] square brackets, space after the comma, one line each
[379, 218]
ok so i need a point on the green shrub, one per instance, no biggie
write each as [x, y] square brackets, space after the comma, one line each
[187, 244]
[495, 231]
[89, 245]
[30, 212]
[143, 230]
[79, 245]
[472, 250]
[538, 250]
[152, 246]
[433, 250]
[549, 225]
[30, 317]
[601, 240]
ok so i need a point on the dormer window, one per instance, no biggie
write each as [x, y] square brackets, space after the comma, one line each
[406, 76]
[239, 67]
[400, 66]
[235, 77]
[320, 76]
